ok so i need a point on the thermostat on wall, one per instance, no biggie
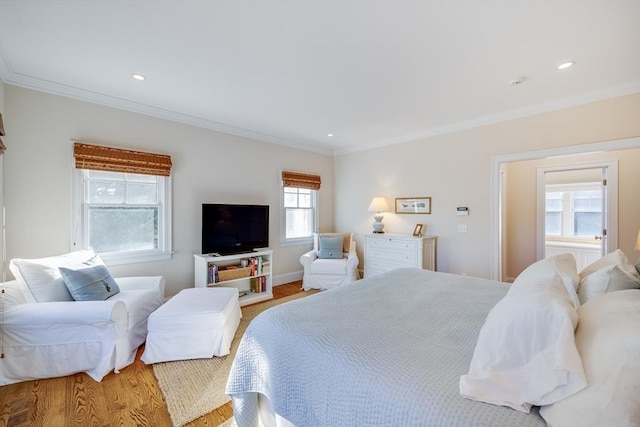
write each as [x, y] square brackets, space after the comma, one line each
[462, 211]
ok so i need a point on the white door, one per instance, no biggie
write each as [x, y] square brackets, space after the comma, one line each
[574, 211]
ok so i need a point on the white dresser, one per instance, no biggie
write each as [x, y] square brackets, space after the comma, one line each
[384, 252]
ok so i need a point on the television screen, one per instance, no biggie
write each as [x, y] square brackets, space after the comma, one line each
[229, 229]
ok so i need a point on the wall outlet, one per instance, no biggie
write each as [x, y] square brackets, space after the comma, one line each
[462, 228]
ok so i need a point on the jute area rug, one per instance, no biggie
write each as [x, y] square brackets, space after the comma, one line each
[192, 388]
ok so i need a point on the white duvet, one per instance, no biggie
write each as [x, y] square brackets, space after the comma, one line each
[384, 351]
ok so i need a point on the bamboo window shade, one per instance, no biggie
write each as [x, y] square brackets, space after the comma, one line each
[300, 180]
[111, 159]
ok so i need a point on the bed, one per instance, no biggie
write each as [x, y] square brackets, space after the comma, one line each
[403, 347]
[350, 357]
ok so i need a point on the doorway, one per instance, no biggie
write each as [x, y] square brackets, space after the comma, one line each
[574, 204]
[502, 244]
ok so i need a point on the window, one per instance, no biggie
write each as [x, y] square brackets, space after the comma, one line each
[587, 213]
[573, 211]
[122, 215]
[299, 206]
[553, 214]
[300, 212]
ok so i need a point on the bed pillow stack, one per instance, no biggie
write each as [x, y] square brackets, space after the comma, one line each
[526, 354]
[608, 339]
[610, 273]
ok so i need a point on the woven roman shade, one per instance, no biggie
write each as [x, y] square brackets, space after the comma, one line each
[300, 180]
[110, 159]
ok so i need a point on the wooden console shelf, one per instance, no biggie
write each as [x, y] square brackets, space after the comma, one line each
[254, 282]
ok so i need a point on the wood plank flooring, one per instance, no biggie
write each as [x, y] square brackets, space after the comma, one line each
[130, 398]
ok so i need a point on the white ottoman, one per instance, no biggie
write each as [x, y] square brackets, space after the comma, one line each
[196, 323]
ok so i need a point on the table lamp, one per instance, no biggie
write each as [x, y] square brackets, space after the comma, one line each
[378, 205]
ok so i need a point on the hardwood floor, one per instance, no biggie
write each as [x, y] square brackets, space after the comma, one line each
[130, 398]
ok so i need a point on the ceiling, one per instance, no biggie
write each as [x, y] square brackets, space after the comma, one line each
[372, 73]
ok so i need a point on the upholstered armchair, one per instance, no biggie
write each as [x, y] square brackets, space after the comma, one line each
[332, 262]
[50, 330]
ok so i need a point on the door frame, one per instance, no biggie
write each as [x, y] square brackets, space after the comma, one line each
[497, 186]
[611, 240]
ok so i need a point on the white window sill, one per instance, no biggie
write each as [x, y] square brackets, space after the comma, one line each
[295, 242]
[134, 257]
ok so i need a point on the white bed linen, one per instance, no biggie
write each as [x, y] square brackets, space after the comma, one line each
[526, 354]
[384, 351]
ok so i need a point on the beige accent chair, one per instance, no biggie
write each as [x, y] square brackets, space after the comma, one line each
[321, 272]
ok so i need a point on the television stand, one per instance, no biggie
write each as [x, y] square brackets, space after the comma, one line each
[236, 271]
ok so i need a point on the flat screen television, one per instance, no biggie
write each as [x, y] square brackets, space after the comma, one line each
[231, 229]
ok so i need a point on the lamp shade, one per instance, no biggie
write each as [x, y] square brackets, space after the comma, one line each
[378, 204]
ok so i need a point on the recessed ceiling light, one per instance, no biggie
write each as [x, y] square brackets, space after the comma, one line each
[566, 65]
[329, 134]
[138, 77]
[517, 81]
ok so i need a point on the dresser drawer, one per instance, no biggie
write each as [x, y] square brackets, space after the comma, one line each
[377, 266]
[387, 252]
[405, 259]
[391, 244]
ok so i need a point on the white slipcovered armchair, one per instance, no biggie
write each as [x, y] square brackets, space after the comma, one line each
[325, 268]
[46, 333]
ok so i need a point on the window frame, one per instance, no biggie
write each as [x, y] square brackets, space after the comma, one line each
[567, 213]
[79, 222]
[284, 241]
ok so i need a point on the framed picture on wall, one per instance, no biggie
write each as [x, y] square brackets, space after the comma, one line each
[413, 205]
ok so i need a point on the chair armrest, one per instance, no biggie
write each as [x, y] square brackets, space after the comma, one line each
[142, 283]
[308, 258]
[352, 260]
[55, 323]
[54, 314]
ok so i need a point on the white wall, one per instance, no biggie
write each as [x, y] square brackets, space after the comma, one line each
[208, 166]
[455, 170]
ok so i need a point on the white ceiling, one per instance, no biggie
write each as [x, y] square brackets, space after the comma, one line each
[372, 73]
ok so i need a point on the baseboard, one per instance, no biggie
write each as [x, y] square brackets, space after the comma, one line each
[281, 279]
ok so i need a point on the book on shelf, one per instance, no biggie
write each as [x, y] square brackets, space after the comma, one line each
[256, 265]
[212, 273]
[258, 284]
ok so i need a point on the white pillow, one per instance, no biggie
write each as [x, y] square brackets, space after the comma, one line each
[526, 353]
[608, 339]
[616, 257]
[608, 279]
[40, 279]
[564, 265]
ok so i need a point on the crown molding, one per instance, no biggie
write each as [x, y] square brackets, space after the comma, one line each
[9, 76]
[628, 88]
